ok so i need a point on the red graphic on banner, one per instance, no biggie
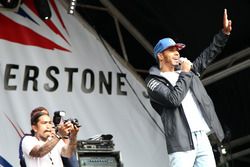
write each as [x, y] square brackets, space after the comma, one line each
[15, 32]
[50, 24]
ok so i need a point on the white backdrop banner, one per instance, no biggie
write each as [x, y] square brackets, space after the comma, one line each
[62, 64]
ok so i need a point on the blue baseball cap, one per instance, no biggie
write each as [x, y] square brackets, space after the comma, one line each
[165, 43]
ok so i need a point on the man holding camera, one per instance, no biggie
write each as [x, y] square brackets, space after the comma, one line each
[45, 147]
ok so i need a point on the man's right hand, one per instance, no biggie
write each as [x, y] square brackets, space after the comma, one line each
[185, 64]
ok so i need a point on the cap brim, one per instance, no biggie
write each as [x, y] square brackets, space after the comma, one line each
[180, 46]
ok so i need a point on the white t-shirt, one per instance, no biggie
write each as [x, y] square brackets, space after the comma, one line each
[52, 159]
[191, 108]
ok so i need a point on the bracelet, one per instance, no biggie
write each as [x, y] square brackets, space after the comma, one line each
[58, 136]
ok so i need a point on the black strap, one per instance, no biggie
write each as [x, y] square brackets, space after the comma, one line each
[21, 158]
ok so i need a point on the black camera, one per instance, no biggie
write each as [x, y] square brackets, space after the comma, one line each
[74, 121]
[58, 118]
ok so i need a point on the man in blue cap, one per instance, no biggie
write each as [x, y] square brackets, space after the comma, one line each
[186, 110]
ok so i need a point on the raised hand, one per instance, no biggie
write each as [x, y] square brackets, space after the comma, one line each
[227, 24]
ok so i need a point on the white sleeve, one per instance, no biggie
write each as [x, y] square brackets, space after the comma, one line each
[60, 145]
[28, 143]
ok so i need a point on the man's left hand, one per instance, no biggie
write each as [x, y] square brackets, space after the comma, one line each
[227, 24]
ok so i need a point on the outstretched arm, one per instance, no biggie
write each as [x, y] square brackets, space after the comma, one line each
[227, 24]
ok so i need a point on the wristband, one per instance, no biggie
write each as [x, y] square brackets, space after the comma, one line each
[58, 136]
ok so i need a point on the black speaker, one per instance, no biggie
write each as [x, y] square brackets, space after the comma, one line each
[99, 159]
[43, 9]
[10, 5]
